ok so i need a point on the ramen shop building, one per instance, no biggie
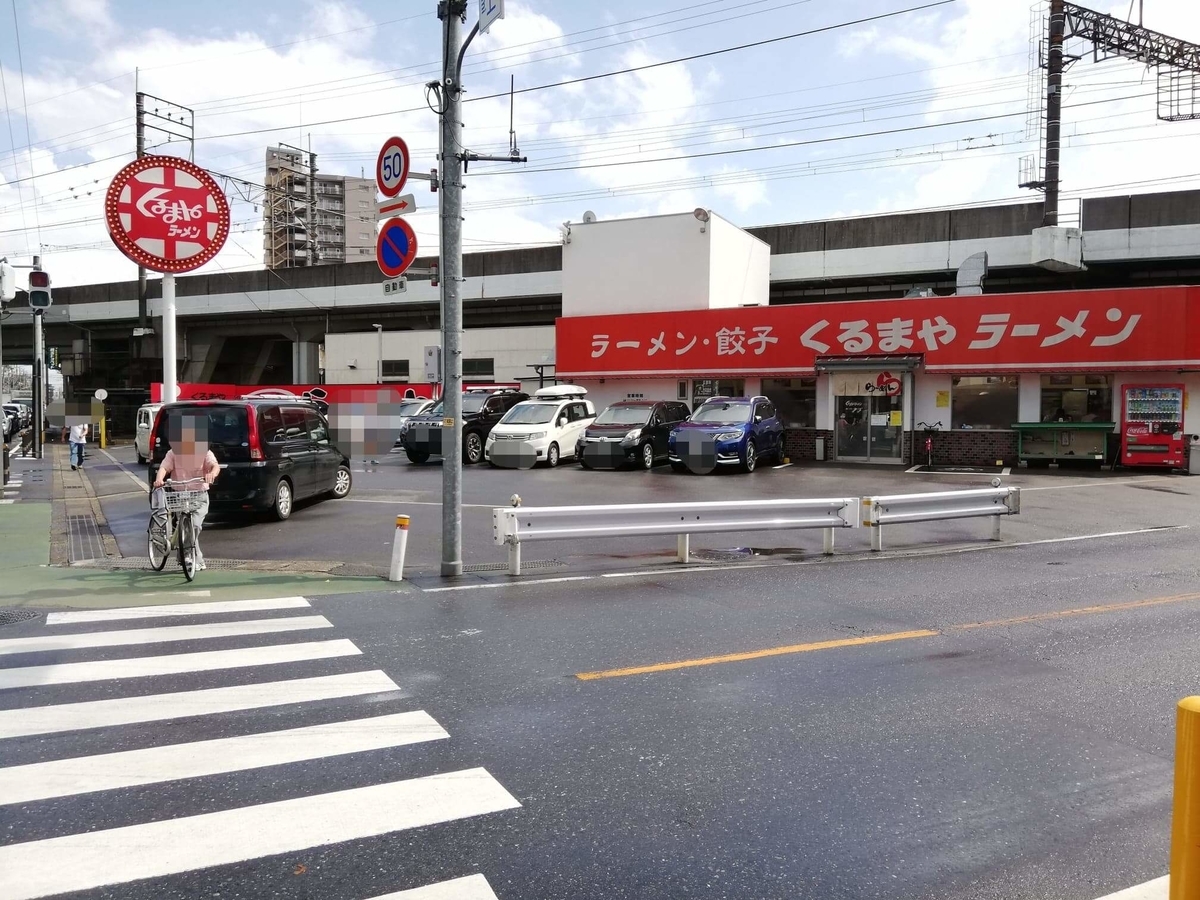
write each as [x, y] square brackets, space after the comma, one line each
[1033, 377]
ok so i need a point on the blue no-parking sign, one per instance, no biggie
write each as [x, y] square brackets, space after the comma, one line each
[395, 248]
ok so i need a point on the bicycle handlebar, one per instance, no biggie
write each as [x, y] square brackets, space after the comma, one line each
[934, 427]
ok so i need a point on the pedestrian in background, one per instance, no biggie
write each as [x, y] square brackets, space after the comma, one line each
[79, 436]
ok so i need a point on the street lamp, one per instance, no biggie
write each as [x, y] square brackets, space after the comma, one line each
[379, 355]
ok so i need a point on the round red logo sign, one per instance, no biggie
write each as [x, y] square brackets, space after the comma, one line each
[166, 214]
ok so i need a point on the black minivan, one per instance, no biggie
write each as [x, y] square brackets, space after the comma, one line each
[630, 431]
[273, 452]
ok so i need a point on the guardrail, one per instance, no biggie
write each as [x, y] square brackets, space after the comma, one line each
[901, 508]
[514, 526]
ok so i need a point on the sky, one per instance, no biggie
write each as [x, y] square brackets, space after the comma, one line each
[914, 108]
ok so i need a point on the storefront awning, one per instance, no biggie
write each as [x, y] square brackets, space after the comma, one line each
[905, 363]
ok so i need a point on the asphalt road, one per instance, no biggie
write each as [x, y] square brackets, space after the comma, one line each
[989, 725]
[358, 532]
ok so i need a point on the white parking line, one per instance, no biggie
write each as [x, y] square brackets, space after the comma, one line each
[825, 560]
[145, 488]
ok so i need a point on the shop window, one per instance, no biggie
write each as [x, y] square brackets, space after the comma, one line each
[479, 369]
[395, 369]
[1077, 398]
[983, 401]
[795, 399]
[704, 388]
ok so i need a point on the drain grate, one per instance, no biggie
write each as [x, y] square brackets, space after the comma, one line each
[13, 616]
[503, 567]
[735, 555]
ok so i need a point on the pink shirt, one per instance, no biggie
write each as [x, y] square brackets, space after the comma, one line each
[191, 465]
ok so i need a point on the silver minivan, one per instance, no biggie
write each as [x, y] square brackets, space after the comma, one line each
[145, 424]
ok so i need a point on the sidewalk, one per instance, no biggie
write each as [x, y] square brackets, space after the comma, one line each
[43, 529]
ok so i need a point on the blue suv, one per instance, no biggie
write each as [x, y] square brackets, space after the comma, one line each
[727, 431]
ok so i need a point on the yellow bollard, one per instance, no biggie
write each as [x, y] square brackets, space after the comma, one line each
[1185, 822]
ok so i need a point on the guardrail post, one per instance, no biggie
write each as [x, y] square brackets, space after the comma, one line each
[399, 548]
[514, 556]
[684, 544]
[828, 542]
[877, 538]
[995, 528]
[1185, 821]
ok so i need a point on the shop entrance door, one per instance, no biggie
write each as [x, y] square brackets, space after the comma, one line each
[869, 426]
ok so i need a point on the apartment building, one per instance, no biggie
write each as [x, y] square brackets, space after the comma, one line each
[314, 219]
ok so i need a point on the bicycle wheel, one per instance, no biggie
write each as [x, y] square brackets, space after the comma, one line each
[158, 540]
[187, 546]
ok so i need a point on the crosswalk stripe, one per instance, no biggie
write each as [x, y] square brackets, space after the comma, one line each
[45, 642]
[473, 887]
[168, 610]
[117, 856]
[149, 666]
[110, 771]
[185, 704]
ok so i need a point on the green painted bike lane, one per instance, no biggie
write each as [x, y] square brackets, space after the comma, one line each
[28, 579]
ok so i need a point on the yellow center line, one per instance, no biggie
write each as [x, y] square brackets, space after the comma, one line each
[757, 654]
[883, 638]
[1079, 611]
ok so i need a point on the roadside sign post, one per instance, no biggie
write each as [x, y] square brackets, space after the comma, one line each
[167, 215]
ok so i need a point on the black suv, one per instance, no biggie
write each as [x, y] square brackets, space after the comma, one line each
[630, 431]
[482, 408]
[272, 452]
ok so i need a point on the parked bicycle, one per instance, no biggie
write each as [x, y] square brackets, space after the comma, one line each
[171, 529]
[930, 431]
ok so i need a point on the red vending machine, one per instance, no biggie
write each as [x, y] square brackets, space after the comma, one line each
[1152, 426]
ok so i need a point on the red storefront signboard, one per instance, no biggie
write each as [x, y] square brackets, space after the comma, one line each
[1119, 330]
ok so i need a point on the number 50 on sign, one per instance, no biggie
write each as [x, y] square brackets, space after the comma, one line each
[391, 169]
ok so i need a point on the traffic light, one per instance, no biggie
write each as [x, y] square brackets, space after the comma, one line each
[39, 290]
[8, 282]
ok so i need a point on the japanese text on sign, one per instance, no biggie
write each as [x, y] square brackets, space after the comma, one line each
[1071, 327]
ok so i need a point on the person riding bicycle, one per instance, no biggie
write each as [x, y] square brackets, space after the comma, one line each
[189, 459]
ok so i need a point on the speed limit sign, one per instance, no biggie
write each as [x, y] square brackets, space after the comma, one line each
[391, 169]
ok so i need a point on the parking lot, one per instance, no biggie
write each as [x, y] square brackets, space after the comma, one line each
[355, 534]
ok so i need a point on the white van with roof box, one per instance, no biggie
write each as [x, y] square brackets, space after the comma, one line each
[541, 429]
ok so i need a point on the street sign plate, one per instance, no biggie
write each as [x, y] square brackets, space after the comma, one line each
[489, 12]
[395, 286]
[395, 206]
[166, 214]
[101, 394]
[391, 168]
[395, 248]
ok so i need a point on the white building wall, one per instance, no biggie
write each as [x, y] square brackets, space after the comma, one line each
[739, 266]
[925, 408]
[662, 263]
[513, 349]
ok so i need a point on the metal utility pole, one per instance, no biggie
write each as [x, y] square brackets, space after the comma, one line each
[312, 205]
[452, 13]
[1054, 78]
[141, 151]
[454, 158]
[39, 369]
